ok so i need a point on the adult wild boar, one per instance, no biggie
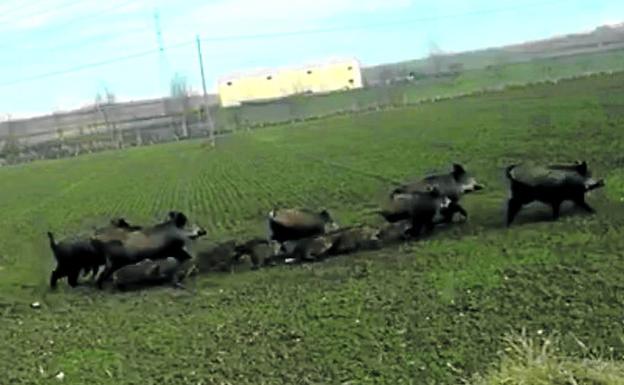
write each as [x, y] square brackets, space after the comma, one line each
[420, 208]
[293, 224]
[453, 185]
[74, 256]
[167, 239]
[549, 184]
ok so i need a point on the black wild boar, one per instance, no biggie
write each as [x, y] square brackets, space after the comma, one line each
[549, 184]
[420, 208]
[73, 256]
[453, 185]
[293, 224]
[262, 252]
[352, 239]
[167, 239]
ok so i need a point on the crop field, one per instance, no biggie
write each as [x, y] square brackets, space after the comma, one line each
[426, 312]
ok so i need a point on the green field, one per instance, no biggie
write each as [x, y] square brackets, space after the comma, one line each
[427, 312]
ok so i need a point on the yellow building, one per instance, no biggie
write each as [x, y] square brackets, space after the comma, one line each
[267, 84]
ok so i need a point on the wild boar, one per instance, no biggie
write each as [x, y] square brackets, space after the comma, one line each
[166, 239]
[353, 239]
[453, 185]
[220, 257]
[549, 184]
[308, 249]
[294, 224]
[137, 274]
[73, 256]
[171, 271]
[262, 252]
[394, 232]
[421, 208]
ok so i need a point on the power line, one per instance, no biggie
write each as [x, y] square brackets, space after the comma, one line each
[92, 65]
[271, 35]
[61, 6]
[323, 30]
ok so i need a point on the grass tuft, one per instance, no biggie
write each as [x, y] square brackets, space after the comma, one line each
[538, 361]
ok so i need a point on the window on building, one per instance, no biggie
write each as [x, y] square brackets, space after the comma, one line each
[269, 77]
[309, 72]
[229, 83]
[350, 68]
[351, 81]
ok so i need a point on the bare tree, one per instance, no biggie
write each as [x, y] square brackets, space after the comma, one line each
[436, 56]
[103, 104]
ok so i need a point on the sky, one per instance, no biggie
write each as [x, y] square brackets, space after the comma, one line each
[57, 55]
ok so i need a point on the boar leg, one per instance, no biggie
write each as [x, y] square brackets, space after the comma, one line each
[56, 274]
[255, 261]
[458, 208]
[513, 207]
[580, 202]
[72, 277]
[414, 231]
[430, 225]
[107, 273]
[556, 208]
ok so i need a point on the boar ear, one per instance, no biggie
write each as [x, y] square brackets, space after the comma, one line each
[178, 218]
[325, 214]
[582, 168]
[458, 170]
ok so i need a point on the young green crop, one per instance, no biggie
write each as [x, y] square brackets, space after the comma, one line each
[428, 312]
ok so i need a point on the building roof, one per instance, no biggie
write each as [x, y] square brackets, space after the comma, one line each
[265, 71]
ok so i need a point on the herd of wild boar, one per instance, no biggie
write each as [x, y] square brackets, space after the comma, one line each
[157, 254]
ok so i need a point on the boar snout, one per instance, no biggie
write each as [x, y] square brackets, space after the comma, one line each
[331, 226]
[197, 232]
[592, 184]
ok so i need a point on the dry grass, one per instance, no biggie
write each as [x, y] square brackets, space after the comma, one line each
[530, 361]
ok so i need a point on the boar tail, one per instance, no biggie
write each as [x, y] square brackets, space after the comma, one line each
[52, 241]
[52, 244]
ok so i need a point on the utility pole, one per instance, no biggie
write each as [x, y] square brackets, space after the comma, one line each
[209, 121]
